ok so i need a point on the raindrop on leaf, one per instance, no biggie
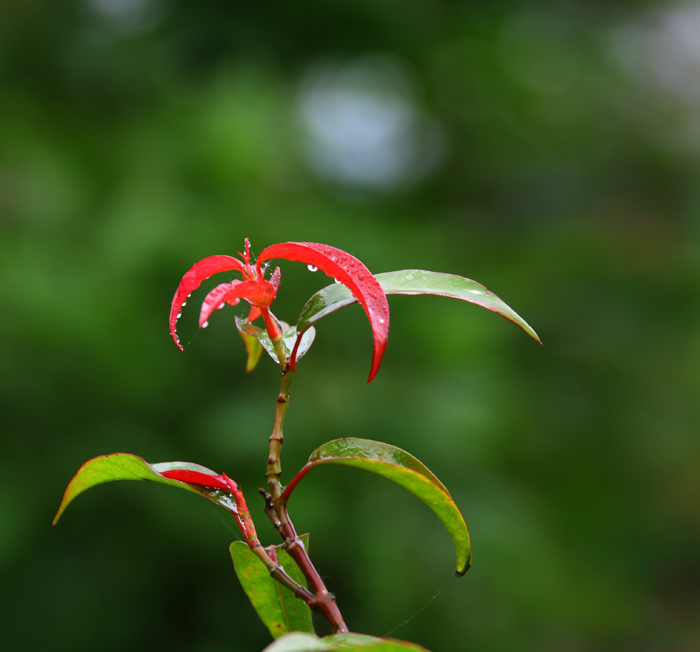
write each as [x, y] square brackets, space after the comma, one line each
[312, 268]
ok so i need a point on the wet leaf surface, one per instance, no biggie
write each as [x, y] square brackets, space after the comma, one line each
[289, 336]
[124, 466]
[412, 282]
[404, 469]
[350, 272]
[193, 278]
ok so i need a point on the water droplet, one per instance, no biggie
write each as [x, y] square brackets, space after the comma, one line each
[336, 280]
[361, 277]
[221, 306]
[312, 268]
[189, 295]
[184, 303]
[205, 324]
[179, 314]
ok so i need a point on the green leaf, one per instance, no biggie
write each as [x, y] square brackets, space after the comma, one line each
[124, 466]
[276, 605]
[301, 642]
[289, 336]
[404, 469]
[254, 349]
[412, 282]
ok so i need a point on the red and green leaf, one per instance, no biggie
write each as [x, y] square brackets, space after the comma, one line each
[412, 282]
[124, 466]
[198, 273]
[404, 469]
[353, 274]
[253, 348]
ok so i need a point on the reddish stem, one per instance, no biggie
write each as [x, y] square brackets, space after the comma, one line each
[276, 509]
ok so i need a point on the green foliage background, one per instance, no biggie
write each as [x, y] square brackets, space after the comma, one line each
[138, 137]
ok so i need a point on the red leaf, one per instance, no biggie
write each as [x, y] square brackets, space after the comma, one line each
[193, 279]
[350, 272]
[195, 477]
[257, 291]
[276, 278]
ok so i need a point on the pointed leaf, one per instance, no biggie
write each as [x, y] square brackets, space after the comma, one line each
[404, 469]
[254, 349]
[289, 336]
[124, 466]
[193, 279]
[279, 609]
[302, 642]
[412, 282]
[349, 271]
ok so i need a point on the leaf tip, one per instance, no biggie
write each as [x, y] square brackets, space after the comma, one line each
[59, 513]
[462, 573]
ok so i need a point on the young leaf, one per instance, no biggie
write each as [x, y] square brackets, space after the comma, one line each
[124, 466]
[279, 609]
[412, 282]
[404, 469]
[289, 336]
[252, 347]
[259, 292]
[349, 271]
[193, 279]
[302, 642]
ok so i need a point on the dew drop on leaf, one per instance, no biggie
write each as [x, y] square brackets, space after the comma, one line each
[312, 268]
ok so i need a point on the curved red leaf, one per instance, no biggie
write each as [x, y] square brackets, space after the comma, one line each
[350, 272]
[257, 291]
[192, 280]
[195, 477]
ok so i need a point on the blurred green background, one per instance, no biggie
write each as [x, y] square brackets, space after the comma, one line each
[548, 150]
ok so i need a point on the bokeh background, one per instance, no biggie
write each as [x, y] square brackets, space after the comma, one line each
[549, 150]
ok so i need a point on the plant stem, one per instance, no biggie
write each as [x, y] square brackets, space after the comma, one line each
[324, 601]
[247, 527]
[276, 509]
[274, 465]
